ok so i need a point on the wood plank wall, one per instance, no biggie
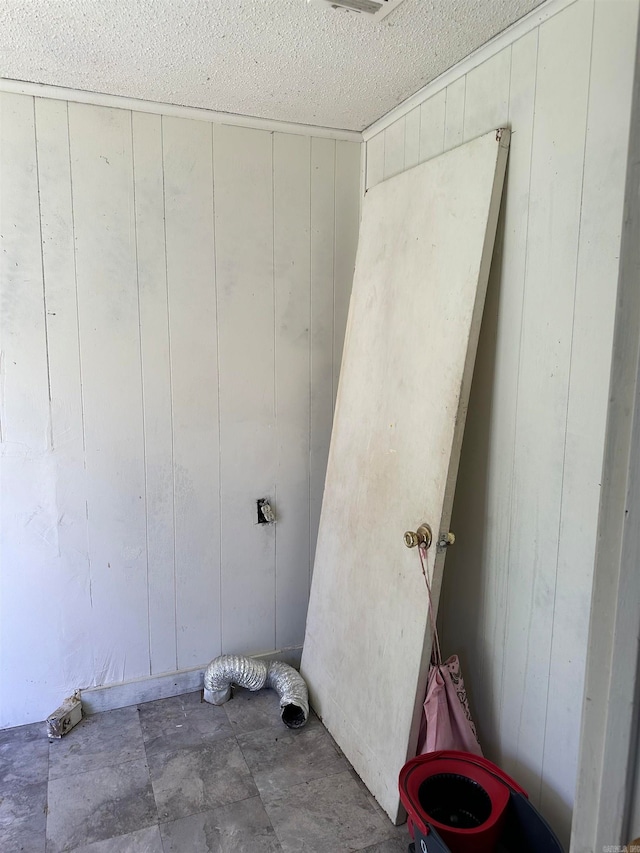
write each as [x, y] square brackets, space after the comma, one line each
[517, 588]
[174, 298]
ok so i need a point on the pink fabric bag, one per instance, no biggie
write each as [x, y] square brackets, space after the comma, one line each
[447, 722]
[446, 710]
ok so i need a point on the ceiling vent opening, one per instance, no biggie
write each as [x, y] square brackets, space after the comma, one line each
[375, 10]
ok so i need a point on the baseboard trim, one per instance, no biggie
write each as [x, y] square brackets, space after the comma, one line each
[121, 695]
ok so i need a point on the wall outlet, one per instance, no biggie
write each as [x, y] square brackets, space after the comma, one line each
[266, 515]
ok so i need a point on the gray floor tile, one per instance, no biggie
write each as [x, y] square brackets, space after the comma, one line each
[330, 814]
[180, 722]
[99, 804]
[23, 817]
[398, 844]
[242, 827]
[103, 797]
[199, 779]
[101, 740]
[399, 838]
[24, 755]
[282, 758]
[248, 712]
[143, 841]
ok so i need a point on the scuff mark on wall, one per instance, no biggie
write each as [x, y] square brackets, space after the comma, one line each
[131, 553]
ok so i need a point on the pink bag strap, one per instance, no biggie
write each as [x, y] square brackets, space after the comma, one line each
[436, 653]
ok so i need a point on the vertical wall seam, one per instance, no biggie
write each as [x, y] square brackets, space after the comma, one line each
[275, 384]
[310, 363]
[215, 274]
[82, 400]
[444, 122]
[333, 306]
[520, 347]
[404, 147]
[499, 242]
[506, 565]
[144, 426]
[510, 79]
[44, 289]
[384, 159]
[173, 466]
[566, 423]
[423, 132]
[384, 150]
[364, 183]
[533, 578]
[311, 341]
[464, 106]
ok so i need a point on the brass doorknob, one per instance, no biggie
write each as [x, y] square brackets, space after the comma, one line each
[411, 539]
[446, 539]
[422, 535]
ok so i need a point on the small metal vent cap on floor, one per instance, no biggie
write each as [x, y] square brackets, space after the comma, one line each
[374, 9]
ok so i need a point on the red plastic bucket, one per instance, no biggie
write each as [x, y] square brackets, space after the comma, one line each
[462, 796]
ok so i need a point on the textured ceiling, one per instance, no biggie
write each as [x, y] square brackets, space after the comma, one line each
[279, 59]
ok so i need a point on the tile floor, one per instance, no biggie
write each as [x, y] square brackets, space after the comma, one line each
[181, 776]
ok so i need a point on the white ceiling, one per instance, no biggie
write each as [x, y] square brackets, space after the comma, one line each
[278, 59]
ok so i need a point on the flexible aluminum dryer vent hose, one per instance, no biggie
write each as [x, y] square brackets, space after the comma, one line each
[226, 670]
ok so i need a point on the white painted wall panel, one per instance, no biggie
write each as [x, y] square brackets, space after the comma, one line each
[102, 181]
[613, 51]
[516, 593]
[245, 270]
[347, 223]
[27, 484]
[191, 287]
[125, 238]
[73, 613]
[323, 169]
[375, 159]
[489, 83]
[495, 392]
[394, 137]
[541, 420]
[412, 138]
[454, 113]
[156, 388]
[488, 449]
[432, 114]
[292, 274]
